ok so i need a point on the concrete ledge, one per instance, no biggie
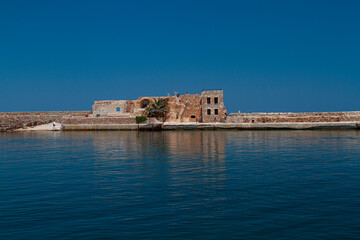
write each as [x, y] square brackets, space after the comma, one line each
[215, 126]
[98, 127]
[263, 126]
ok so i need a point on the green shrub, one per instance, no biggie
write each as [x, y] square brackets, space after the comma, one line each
[140, 119]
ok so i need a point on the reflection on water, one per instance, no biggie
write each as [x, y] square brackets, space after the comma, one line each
[179, 184]
[163, 144]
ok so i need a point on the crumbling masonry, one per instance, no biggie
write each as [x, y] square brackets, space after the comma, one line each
[205, 107]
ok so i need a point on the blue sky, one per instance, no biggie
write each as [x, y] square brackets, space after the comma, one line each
[267, 56]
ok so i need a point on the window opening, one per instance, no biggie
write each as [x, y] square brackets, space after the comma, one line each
[208, 100]
[118, 109]
[144, 104]
[216, 111]
[209, 112]
[216, 100]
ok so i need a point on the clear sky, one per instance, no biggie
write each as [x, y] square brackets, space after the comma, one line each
[266, 55]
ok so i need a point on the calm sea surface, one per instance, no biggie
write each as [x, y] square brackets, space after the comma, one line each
[180, 185]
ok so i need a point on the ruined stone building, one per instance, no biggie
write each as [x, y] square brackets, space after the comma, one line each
[205, 107]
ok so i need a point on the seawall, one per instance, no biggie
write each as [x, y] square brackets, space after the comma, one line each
[264, 126]
[16, 120]
[77, 120]
[239, 121]
[214, 126]
[307, 117]
[99, 120]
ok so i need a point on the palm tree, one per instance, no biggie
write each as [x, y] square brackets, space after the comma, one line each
[158, 107]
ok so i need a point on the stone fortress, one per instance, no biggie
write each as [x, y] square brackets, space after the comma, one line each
[205, 107]
[203, 111]
[186, 111]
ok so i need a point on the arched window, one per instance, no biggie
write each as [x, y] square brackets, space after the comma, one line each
[144, 103]
[118, 109]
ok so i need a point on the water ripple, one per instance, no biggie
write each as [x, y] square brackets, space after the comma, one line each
[180, 185]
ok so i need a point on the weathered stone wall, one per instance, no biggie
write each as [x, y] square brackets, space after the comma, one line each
[137, 107]
[182, 108]
[100, 120]
[121, 108]
[213, 111]
[293, 117]
[15, 120]
[190, 108]
[109, 108]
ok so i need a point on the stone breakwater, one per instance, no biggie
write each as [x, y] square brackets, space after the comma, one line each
[99, 120]
[240, 121]
[311, 117]
[17, 120]
[82, 120]
[214, 126]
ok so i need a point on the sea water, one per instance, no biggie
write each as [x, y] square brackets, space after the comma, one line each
[180, 185]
